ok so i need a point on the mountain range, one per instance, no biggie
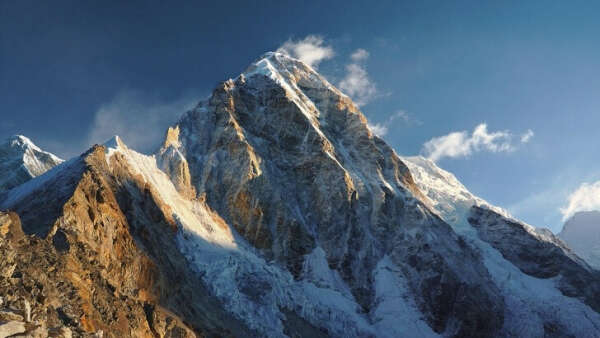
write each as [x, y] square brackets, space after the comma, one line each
[271, 209]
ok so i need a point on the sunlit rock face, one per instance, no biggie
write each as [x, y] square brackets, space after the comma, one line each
[95, 252]
[289, 161]
[581, 232]
[21, 160]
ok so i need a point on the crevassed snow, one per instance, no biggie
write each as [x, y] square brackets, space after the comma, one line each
[529, 301]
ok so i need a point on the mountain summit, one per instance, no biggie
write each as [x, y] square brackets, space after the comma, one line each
[21, 160]
[272, 210]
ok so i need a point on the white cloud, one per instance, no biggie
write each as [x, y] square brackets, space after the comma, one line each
[378, 129]
[585, 198]
[357, 84]
[359, 55]
[310, 50]
[527, 136]
[461, 144]
[139, 120]
[381, 129]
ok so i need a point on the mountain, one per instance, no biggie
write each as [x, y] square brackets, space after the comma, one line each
[581, 232]
[542, 282]
[21, 160]
[272, 210]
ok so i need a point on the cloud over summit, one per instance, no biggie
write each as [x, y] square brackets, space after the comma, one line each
[310, 50]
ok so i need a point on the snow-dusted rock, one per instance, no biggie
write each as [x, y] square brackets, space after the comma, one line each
[540, 279]
[289, 162]
[21, 160]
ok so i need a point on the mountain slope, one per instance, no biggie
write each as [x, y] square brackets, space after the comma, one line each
[290, 162]
[582, 233]
[111, 243]
[21, 160]
[536, 273]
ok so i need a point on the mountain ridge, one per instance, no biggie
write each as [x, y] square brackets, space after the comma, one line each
[271, 209]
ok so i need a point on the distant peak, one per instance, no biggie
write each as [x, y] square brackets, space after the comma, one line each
[21, 141]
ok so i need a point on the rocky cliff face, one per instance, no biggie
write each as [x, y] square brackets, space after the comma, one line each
[21, 160]
[96, 253]
[581, 232]
[272, 210]
[290, 162]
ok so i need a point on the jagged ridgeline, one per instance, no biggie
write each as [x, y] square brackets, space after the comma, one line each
[272, 210]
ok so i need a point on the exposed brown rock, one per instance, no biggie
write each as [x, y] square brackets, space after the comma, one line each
[100, 267]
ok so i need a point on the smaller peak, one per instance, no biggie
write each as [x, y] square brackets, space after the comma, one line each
[172, 137]
[21, 141]
[114, 142]
[21, 138]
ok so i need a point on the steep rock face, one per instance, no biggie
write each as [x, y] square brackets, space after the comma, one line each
[21, 160]
[289, 161]
[103, 255]
[581, 232]
[540, 279]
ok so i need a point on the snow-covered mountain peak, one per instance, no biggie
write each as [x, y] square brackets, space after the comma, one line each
[113, 144]
[296, 77]
[21, 160]
[20, 141]
[275, 63]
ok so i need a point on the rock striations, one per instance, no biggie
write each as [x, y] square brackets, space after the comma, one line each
[272, 210]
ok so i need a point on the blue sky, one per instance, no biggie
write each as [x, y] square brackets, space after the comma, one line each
[73, 73]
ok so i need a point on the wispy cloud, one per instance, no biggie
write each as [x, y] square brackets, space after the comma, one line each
[381, 129]
[138, 119]
[310, 50]
[585, 198]
[359, 55]
[527, 136]
[461, 144]
[378, 129]
[357, 84]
